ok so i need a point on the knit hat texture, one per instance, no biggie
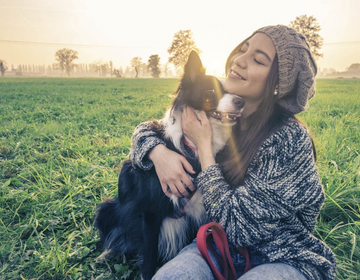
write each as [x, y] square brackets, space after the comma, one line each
[297, 67]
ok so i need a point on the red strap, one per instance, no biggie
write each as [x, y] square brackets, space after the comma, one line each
[245, 253]
[186, 142]
[203, 240]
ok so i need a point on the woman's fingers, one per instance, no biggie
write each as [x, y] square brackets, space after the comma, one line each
[187, 166]
[174, 190]
[182, 189]
[172, 169]
[188, 184]
[166, 190]
[202, 116]
[178, 189]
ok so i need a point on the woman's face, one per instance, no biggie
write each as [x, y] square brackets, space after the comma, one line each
[249, 69]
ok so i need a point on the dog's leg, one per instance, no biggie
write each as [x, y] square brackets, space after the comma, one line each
[151, 223]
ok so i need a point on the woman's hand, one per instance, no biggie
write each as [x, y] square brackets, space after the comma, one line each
[169, 167]
[198, 130]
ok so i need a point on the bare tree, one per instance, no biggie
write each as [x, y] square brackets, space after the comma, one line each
[136, 62]
[181, 47]
[3, 67]
[309, 27]
[65, 58]
[118, 72]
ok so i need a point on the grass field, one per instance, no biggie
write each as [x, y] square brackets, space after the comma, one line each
[62, 142]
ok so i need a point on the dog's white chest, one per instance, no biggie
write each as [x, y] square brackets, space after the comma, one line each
[173, 232]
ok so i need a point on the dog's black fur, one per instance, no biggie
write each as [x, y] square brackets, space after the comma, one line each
[142, 222]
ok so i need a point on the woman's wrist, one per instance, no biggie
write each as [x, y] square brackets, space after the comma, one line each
[206, 156]
[156, 151]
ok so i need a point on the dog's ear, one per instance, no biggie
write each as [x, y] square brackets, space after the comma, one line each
[193, 67]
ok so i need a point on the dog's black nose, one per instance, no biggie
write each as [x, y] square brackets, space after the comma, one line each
[239, 102]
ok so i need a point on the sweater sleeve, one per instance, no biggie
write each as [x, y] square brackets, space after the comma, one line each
[281, 185]
[144, 139]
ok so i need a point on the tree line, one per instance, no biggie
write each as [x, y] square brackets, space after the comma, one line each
[65, 59]
[178, 51]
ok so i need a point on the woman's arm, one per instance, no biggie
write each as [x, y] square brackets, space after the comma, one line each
[143, 140]
[281, 183]
[148, 150]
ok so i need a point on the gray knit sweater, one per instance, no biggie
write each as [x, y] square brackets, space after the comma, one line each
[274, 212]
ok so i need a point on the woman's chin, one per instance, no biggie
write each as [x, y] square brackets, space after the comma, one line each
[231, 86]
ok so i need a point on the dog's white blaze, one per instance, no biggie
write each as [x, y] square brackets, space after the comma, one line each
[226, 103]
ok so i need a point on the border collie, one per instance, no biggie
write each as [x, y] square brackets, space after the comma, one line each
[142, 222]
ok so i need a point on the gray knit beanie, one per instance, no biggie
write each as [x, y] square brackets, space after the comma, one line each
[297, 67]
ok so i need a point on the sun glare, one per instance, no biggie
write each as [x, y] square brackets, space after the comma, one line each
[214, 66]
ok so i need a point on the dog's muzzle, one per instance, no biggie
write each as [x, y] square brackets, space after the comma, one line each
[225, 117]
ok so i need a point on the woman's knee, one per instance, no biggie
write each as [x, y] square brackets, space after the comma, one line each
[189, 264]
[273, 271]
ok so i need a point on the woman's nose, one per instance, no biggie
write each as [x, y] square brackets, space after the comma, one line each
[239, 61]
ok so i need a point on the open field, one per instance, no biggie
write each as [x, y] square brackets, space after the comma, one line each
[62, 142]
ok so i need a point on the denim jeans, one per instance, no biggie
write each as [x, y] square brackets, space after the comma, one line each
[189, 264]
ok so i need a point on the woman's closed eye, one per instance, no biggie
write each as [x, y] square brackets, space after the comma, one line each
[258, 62]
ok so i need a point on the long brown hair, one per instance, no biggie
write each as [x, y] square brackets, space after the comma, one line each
[245, 141]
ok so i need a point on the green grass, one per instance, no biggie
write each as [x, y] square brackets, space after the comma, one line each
[62, 142]
[334, 119]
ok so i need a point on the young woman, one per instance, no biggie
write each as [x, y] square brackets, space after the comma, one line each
[264, 188]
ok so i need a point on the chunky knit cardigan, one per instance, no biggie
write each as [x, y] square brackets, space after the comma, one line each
[274, 212]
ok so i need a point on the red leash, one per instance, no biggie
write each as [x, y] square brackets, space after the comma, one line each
[203, 240]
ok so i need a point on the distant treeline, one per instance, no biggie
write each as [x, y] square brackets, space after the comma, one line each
[353, 71]
[81, 69]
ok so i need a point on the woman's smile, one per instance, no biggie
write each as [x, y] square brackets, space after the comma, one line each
[234, 75]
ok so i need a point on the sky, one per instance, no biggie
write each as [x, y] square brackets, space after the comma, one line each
[31, 31]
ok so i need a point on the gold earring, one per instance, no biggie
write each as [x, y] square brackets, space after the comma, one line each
[275, 93]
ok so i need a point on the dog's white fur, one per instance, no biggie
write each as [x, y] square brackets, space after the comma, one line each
[173, 231]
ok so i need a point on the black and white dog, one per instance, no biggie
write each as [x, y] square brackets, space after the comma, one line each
[142, 222]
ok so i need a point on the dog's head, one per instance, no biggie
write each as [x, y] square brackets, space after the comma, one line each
[206, 93]
[197, 90]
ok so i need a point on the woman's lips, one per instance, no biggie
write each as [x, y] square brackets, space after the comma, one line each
[235, 75]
